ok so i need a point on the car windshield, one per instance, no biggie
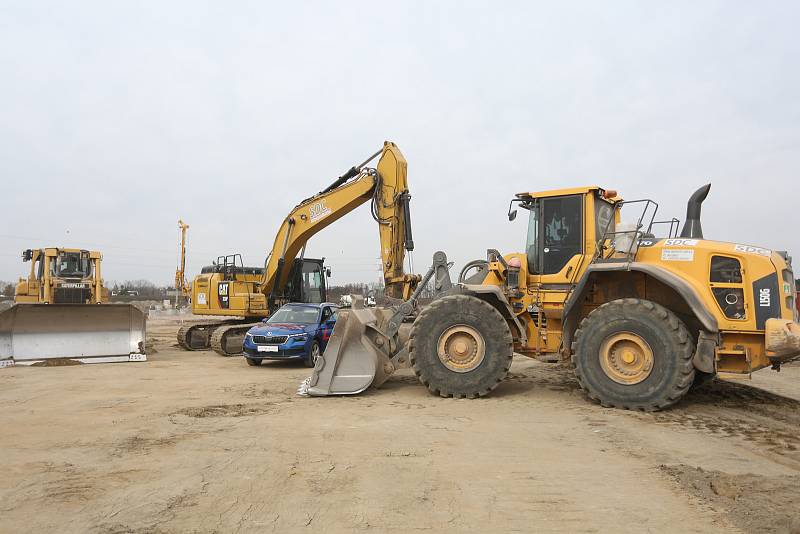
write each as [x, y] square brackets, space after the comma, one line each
[292, 314]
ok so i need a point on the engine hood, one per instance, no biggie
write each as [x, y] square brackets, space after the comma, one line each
[281, 329]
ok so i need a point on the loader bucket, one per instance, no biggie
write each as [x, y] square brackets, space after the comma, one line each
[351, 361]
[84, 333]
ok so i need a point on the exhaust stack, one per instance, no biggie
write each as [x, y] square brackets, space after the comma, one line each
[692, 228]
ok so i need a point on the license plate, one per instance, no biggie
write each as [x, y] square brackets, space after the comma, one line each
[268, 348]
[137, 358]
[6, 363]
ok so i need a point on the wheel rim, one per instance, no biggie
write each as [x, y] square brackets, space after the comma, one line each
[626, 358]
[461, 348]
[314, 353]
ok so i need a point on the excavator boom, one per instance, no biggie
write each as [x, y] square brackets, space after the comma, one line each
[386, 187]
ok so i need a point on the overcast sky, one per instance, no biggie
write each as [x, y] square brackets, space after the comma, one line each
[117, 118]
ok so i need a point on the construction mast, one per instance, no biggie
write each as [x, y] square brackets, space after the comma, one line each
[181, 285]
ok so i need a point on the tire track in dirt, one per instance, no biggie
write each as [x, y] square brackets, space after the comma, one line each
[754, 503]
[227, 410]
[764, 422]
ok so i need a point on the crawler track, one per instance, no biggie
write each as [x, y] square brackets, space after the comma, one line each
[199, 336]
[227, 339]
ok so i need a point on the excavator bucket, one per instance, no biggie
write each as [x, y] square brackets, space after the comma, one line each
[369, 344]
[75, 333]
[352, 361]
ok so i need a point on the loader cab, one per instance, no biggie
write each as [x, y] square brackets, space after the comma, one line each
[562, 227]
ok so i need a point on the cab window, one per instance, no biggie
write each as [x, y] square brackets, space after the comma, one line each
[561, 231]
[532, 245]
[312, 282]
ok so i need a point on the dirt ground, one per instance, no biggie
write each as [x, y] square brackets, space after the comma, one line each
[193, 442]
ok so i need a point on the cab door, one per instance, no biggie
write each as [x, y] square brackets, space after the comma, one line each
[555, 252]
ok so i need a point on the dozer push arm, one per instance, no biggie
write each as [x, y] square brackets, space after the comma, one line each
[386, 186]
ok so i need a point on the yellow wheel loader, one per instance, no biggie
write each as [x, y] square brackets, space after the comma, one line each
[228, 288]
[640, 318]
[61, 311]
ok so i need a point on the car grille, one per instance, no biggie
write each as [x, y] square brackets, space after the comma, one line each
[270, 340]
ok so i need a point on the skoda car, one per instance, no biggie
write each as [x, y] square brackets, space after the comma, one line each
[294, 332]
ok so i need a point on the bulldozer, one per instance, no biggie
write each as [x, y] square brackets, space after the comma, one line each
[248, 294]
[56, 314]
[640, 319]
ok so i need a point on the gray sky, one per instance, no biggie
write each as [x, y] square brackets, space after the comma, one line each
[117, 118]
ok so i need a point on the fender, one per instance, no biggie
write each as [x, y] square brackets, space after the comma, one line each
[686, 291]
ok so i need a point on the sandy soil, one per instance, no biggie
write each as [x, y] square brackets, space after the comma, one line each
[193, 442]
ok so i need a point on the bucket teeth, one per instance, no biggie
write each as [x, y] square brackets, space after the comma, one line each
[302, 389]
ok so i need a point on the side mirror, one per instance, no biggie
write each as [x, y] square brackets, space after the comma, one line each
[512, 215]
[328, 272]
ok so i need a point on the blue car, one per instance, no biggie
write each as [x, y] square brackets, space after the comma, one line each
[294, 332]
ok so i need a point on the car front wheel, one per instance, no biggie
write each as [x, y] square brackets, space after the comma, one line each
[313, 354]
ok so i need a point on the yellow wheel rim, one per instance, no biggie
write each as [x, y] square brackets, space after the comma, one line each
[461, 348]
[626, 358]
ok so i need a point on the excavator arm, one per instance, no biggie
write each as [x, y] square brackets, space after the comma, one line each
[386, 187]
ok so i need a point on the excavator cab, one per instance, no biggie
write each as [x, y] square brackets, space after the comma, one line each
[306, 281]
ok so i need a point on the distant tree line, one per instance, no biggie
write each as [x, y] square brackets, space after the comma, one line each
[138, 289]
[7, 289]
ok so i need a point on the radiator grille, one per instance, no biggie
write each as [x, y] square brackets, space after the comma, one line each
[71, 295]
[269, 340]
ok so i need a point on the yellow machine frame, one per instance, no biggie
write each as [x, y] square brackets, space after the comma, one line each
[43, 285]
[250, 295]
[592, 289]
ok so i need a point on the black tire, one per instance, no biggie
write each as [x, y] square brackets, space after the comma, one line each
[313, 354]
[251, 361]
[444, 314]
[671, 373]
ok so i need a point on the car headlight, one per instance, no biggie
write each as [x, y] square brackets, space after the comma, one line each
[299, 337]
[248, 334]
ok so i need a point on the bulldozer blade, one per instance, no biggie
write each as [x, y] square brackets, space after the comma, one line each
[85, 333]
[352, 362]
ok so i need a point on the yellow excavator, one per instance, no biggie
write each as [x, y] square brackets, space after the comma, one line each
[61, 311]
[229, 288]
[640, 318]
